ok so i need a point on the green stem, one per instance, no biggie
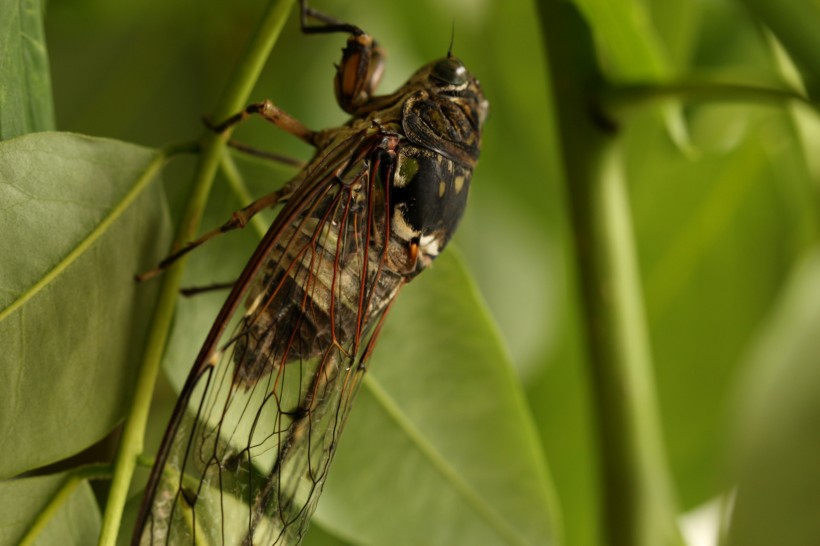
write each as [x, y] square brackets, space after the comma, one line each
[240, 189]
[233, 99]
[637, 500]
[639, 94]
[61, 496]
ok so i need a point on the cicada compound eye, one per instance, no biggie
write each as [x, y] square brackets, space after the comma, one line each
[450, 71]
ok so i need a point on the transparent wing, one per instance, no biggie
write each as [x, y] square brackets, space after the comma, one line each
[246, 453]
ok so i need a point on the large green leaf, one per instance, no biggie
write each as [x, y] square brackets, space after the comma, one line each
[440, 433]
[80, 218]
[76, 522]
[25, 93]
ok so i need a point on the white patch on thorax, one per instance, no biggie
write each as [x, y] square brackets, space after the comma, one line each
[399, 225]
[430, 245]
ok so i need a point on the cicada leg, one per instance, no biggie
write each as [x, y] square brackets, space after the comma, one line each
[273, 114]
[362, 66]
[357, 76]
[264, 154]
[239, 219]
[196, 290]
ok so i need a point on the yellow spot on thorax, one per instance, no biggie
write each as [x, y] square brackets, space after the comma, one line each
[459, 182]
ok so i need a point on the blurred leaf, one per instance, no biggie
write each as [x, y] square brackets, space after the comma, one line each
[77, 522]
[80, 219]
[25, 95]
[677, 24]
[630, 50]
[795, 24]
[440, 433]
[317, 536]
[779, 488]
[624, 31]
[561, 402]
[716, 238]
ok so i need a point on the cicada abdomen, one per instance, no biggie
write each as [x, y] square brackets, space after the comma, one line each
[248, 448]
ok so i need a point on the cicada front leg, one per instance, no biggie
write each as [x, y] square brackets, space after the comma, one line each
[357, 77]
[273, 114]
[240, 219]
[362, 66]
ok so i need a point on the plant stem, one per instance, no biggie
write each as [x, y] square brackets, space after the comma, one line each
[636, 491]
[233, 99]
[61, 496]
[640, 94]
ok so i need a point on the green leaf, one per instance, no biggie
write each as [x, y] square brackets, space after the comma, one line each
[77, 521]
[624, 30]
[317, 536]
[80, 218]
[716, 238]
[440, 433]
[25, 94]
[794, 22]
[779, 478]
[561, 402]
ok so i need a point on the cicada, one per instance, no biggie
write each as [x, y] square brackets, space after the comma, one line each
[257, 422]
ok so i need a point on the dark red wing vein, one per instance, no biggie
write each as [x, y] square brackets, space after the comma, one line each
[328, 370]
[314, 201]
[305, 194]
[338, 255]
[385, 232]
[214, 460]
[317, 243]
[251, 320]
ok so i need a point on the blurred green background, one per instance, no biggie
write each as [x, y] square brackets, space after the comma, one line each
[723, 196]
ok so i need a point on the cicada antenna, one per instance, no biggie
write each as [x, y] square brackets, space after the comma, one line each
[452, 39]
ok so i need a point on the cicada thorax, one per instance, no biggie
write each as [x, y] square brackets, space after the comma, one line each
[441, 126]
[428, 198]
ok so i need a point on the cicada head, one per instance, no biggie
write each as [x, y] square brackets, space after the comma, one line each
[447, 111]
